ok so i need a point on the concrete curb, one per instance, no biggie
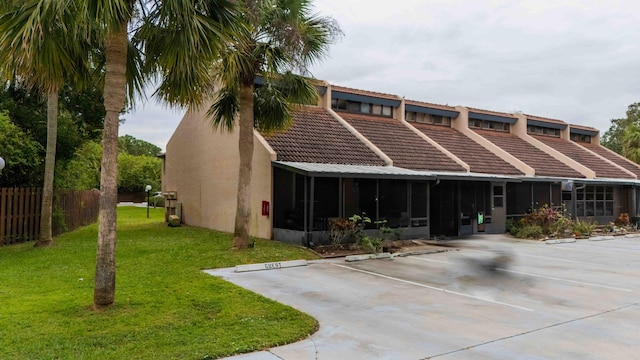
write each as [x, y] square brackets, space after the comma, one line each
[559, 241]
[602, 238]
[270, 266]
[422, 252]
[352, 258]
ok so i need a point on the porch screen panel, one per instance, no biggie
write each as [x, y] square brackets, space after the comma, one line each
[326, 201]
[393, 205]
[419, 203]
[518, 198]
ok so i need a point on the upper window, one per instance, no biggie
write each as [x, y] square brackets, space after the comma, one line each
[489, 125]
[580, 138]
[362, 107]
[423, 118]
[541, 130]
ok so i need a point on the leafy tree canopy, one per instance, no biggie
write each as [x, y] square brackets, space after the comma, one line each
[130, 145]
[613, 138]
[21, 154]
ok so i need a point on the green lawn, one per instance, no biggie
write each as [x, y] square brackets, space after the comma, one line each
[166, 308]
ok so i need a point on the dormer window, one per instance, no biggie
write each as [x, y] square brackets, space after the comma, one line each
[422, 118]
[580, 138]
[541, 130]
[489, 125]
[362, 107]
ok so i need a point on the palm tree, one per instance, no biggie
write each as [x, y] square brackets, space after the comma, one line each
[39, 52]
[171, 40]
[279, 41]
[631, 142]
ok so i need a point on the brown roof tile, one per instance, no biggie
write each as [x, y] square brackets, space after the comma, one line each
[316, 137]
[613, 157]
[406, 148]
[491, 112]
[544, 119]
[475, 155]
[364, 92]
[543, 163]
[583, 127]
[584, 157]
[430, 105]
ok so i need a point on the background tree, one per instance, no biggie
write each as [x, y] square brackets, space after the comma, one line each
[613, 138]
[132, 146]
[40, 50]
[20, 152]
[279, 40]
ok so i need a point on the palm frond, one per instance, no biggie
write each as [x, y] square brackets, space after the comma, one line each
[271, 108]
[225, 108]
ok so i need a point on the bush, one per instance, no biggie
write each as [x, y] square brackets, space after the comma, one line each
[623, 220]
[529, 232]
[583, 228]
[338, 230]
[551, 220]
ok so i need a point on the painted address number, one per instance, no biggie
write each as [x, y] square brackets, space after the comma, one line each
[271, 266]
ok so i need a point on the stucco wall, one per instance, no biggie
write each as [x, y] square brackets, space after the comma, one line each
[201, 164]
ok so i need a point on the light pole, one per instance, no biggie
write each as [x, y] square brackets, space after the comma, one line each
[1, 163]
[148, 190]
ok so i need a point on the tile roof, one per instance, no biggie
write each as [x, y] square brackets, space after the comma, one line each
[490, 112]
[406, 148]
[613, 157]
[475, 155]
[430, 105]
[583, 127]
[584, 157]
[316, 137]
[365, 92]
[543, 163]
[543, 119]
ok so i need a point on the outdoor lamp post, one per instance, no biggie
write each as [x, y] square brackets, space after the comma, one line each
[1, 163]
[148, 190]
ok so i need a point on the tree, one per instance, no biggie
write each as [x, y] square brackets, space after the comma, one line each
[280, 39]
[613, 138]
[20, 152]
[137, 171]
[132, 146]
[40, 51]
[179, 40]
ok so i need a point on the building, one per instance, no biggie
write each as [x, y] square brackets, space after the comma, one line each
[432, 170]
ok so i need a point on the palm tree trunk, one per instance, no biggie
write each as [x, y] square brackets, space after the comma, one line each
[114, 97]
[46, 237]
[245, 147]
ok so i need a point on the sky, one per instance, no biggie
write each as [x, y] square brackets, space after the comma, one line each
[573, 60]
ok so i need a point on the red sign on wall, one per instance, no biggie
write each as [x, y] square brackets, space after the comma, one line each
[265, 208]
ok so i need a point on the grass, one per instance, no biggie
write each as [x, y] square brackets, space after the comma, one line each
[165, 308]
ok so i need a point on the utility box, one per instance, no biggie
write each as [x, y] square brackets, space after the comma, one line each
[170, 204]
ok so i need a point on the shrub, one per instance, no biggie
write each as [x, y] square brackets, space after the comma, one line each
[529, 232]
[550, 219]
[338, 229]
[583, 228]
[622, 220]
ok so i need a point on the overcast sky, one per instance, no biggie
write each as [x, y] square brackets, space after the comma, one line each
[574, 60]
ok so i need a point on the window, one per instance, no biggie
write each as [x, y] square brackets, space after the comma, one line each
[498, 196]
[594, 201]
[580, 138]
[541, 130]
[362, 107]
[489, 125]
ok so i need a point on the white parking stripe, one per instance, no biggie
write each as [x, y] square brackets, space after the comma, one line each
[432, 287]
[565, 280]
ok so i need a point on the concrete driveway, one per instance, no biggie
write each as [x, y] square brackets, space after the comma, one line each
[565, 301]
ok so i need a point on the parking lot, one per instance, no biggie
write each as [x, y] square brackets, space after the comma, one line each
[486, 297]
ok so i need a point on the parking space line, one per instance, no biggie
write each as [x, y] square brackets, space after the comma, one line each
[433, 287]
[555, 259]
[565, 280]
[429, 260]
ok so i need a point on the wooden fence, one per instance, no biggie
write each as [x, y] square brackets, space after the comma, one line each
[20, 212]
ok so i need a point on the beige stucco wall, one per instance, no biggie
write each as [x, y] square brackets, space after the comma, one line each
[202, 166]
